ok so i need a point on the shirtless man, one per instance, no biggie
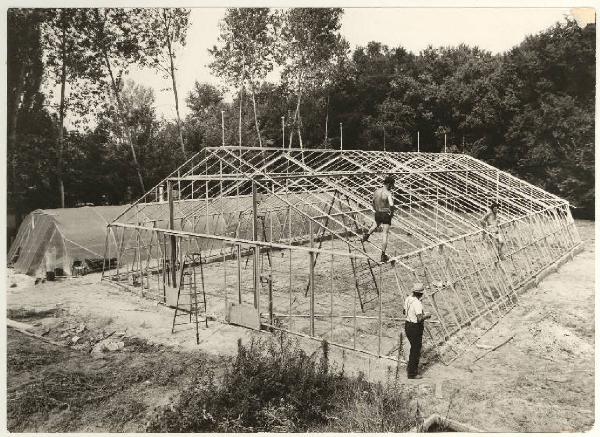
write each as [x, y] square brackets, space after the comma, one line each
[490, 223]
[383, 203]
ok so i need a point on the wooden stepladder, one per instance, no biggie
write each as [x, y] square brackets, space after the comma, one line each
[190, 300]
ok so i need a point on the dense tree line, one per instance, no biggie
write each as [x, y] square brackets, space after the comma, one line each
[529, 111]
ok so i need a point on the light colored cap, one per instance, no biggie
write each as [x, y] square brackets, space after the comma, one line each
[417, 288]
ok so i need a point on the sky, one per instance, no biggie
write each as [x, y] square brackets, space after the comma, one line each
[493, 29]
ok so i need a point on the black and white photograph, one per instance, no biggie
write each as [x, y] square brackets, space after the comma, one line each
[306, 218]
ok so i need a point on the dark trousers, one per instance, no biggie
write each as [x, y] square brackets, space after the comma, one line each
[414, 333]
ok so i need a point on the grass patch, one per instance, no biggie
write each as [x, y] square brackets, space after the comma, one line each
[59, 389]
[274, 386]
[24, 354]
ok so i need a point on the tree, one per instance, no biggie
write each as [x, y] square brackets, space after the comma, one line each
[203, 97]
[169, 28]
[24, 62]
[549, 136]
[120, 37]
[247, 53]
[66, 62]
[313, 47]
[30, 132]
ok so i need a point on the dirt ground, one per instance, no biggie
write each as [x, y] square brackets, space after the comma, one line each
[542, 379]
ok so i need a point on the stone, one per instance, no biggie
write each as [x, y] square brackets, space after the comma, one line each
[114, 345]
[75, 339]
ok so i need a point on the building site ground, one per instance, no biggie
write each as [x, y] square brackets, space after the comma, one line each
[97, 358]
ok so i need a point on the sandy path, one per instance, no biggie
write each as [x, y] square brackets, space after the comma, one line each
[102, 305]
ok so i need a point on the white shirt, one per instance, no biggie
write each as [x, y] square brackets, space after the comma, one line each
[412, 307]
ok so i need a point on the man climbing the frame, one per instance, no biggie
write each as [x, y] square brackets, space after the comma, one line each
[490, 224]
[413, 327]
[383, 203]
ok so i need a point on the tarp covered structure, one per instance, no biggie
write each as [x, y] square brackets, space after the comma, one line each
[56, 238]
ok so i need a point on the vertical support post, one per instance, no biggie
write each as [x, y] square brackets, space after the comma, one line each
[283, 132]
[341, 137]
[497, 185]
[239, 272]
[311, 256]
[270, 299]
[380, 311]
[384, 138]
[173, 239]
[106, 252]
[206, 227]
[139, 260]
[164, 267]
[257, 282]
[445, 150]
[290, 319]
[354, 319]
[119, 250]
[331, 297]
[418, 141]
[437, 207]
[256, 248]
[225, 282]
[178, 184]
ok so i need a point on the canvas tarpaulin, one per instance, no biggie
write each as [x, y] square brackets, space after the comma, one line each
[56, 238]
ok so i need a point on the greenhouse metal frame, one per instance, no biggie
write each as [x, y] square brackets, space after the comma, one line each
[271, 238]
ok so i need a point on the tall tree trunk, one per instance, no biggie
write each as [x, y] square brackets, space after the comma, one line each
[299, 124]
[294, 123]
[255, 116]
[14, 96]
[61, 119]
[172, 69]
[124, 122]
[240, 120]
[326, 120]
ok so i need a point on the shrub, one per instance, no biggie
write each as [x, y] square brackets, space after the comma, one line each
[274, 386]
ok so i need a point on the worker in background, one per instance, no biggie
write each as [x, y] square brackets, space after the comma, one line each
[413, 327]
[383, 204]
[490, 223]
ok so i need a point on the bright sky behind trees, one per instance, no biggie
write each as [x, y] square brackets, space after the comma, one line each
[493, 29]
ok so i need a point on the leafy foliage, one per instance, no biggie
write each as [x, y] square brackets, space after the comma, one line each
[274, 386]
[529, 111]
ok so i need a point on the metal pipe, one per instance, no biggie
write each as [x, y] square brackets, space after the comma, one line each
[311, 257]
[173, 238]
[239, 270]
[223, 128]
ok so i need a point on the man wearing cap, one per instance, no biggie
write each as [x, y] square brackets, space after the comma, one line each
[413, 327]
[490, 221]
[383, 203]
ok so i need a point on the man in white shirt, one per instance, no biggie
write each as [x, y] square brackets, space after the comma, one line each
[413, 327]
[383, 204]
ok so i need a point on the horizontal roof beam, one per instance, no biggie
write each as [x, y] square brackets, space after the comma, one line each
[241, 177]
